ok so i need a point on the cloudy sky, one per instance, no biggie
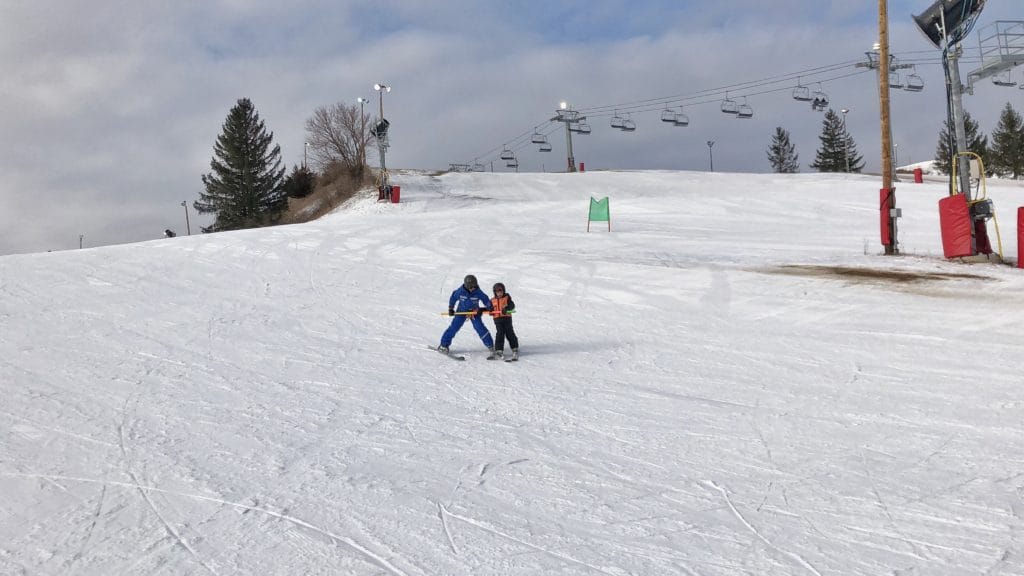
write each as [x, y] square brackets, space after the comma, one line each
[109, 110]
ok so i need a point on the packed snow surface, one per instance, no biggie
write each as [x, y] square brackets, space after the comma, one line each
[732, 381]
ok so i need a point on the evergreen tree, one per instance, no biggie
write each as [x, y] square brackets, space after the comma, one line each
[836, 145]
[299, 183]
[1006, 157]
[245, 188]
[782, 154]
[976, 142]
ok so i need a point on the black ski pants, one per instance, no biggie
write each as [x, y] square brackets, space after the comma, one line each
[503, 329]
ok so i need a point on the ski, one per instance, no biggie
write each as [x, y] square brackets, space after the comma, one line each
[446, 354]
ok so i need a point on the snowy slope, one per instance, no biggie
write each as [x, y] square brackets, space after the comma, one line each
[732, 381]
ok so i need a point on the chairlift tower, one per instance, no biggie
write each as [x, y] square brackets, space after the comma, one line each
[914, 82]
[570, 118]
[381, 134]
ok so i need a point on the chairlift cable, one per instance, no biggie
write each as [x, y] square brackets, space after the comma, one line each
[738, 86]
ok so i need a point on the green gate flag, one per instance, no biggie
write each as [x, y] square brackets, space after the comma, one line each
[599, 210]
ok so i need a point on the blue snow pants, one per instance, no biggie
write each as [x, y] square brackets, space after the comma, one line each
[456, 325]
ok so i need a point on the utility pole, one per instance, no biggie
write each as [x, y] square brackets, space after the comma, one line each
[888, 193]
[885, 64]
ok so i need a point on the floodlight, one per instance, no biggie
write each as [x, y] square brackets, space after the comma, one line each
[942, 19]
[563, 105]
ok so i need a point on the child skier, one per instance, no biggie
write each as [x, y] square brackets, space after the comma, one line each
[502, 307]
[467, 298]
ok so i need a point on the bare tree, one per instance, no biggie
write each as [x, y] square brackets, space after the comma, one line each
[337, 134]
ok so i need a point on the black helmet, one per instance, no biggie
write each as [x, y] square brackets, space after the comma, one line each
[470, 282]
[498, 286]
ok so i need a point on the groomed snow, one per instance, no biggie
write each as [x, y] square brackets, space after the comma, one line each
[732, 381]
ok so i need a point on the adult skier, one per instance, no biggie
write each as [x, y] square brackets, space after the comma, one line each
[469, 301]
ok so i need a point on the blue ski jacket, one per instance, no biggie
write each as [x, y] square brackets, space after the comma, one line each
[469, 300]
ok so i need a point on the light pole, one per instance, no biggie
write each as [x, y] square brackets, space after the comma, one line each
[711, 156]
[846, 140]
[80, 238]
[305, 153]
[188, 227]
[362, 132]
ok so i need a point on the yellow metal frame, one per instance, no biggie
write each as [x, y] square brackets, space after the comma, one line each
[984, 192]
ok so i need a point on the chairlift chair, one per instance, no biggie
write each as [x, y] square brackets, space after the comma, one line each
[744, 110]
[681, 119]
[914, 83]
[668, 115]
[545, 147]
[628, 125]
[820, 101]
[513, 163]
[538, 138]
[802, 93]
[1004, 81]
[617, 121]
[895, 82]
[730, 106]
[580, 128]
[507, 154]
[478, 167]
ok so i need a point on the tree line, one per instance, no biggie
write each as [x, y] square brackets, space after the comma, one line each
[1002, 156]
[247, 186]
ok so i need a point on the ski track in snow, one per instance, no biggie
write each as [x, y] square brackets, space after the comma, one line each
[368, 554]
[552, 553]
[791, 555]
[152, 506]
